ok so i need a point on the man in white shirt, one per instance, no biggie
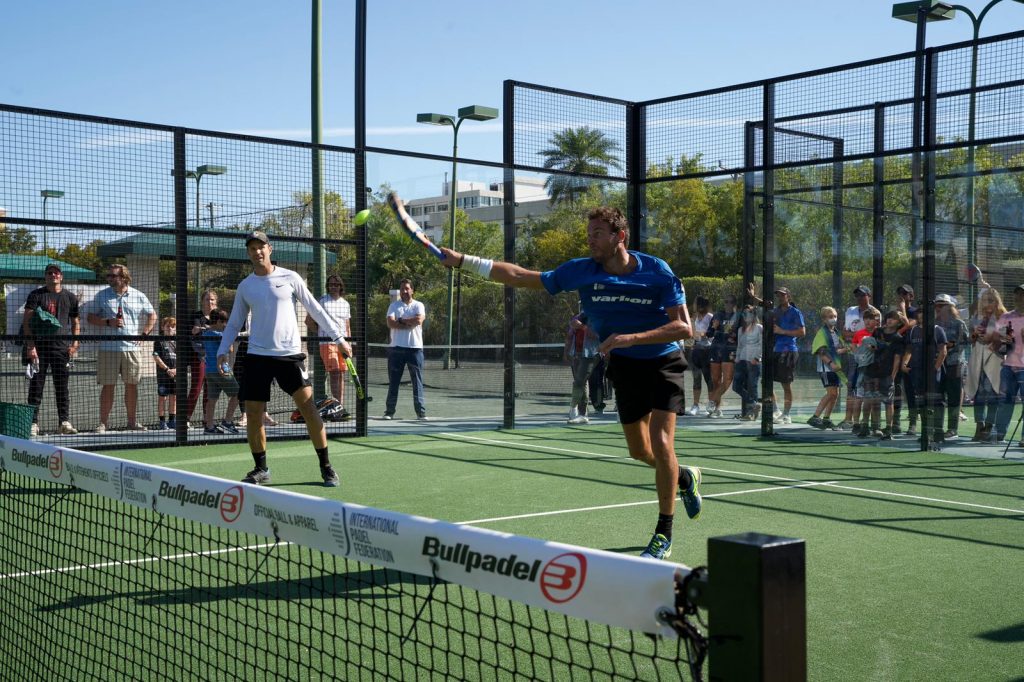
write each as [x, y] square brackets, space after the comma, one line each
[405, 320]
[338, 308]
[275, 352]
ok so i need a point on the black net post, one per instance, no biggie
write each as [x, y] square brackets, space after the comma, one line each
[362, 192]
[932, 418]
[757, 609]
[636, 163]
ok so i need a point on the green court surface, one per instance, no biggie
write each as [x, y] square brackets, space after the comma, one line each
[913, 559]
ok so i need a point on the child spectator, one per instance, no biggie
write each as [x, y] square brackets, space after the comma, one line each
[914, 366]
[165, 355]
[827, 347]
[748, 363]
[957, 339]
[881, 374]
[866, 392]
[985, 364]
[218, 379]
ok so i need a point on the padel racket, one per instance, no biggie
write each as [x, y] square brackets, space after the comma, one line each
[356, 381]
[410, 225]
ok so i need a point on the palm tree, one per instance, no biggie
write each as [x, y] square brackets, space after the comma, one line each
[578, 150]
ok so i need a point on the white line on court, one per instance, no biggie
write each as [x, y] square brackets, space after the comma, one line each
[632, 504]
[831, 484]
[145, 560]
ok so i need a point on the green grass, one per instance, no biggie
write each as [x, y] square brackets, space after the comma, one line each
[913, 559]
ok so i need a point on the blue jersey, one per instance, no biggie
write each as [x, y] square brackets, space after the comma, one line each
[211, 341]
[622, 304]
[791, 320]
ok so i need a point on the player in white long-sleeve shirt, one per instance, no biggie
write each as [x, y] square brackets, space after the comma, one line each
[275, 351]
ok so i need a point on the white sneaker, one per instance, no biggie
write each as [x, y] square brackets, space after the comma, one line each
[717, 414]
[67, 429]
[693, 410]
[711, 407]
[102, 428]
[579, 419]
[786, 419]
[137, 427]
[779, 418]
[35, 430]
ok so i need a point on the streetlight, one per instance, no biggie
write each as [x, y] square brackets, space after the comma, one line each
[976, 20]
[48, 194]
[474, 112]
[919, 12]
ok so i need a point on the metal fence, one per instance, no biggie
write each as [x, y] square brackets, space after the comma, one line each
[880, 173]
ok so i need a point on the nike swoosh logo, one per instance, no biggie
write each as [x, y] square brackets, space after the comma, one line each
[278, 286]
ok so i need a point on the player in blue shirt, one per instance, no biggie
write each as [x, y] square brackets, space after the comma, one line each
[638, 308]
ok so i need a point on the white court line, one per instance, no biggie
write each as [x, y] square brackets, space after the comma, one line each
[146, 560]
[633, 504]
[832, 484]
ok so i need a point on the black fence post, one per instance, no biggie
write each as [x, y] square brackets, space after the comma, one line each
[508, 158]
[183, 335]
[878, 206]
[768, 257]
[757, 609]
[932, 417]
[362, 315]
[636, 172]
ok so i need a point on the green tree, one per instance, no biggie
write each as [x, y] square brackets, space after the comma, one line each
[578, 150]
[16, 240]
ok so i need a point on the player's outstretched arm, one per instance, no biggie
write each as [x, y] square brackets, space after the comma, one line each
[499, 271]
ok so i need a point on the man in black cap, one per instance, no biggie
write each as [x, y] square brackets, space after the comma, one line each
[275, 351]
[50, 347]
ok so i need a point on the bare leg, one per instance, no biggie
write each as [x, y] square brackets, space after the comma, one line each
[651, 440]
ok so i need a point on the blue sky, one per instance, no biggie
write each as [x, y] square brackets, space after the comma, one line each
[244, 65]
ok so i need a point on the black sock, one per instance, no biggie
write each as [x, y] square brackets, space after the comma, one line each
[261, 460]
[664, 525]
[321, 454]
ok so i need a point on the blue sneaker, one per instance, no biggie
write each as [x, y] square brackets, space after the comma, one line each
[228, 427]
[660, 547]
[329, 475]
[690, 494]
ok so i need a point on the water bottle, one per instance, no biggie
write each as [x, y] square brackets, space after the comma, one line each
[226, 368]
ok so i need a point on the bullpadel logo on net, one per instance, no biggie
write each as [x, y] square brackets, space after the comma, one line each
[560, 579]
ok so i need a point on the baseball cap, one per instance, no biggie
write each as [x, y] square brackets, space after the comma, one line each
[53, 266]
[862, 291]
[782, 290]
[905, 289]
[1019, 287]
[944, 299]
[257, 235]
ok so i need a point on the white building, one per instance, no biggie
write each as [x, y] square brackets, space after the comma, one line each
[481, 201]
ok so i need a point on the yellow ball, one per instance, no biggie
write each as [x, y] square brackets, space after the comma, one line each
[362, 216]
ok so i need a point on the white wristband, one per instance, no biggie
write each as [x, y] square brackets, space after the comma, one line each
[481, 266]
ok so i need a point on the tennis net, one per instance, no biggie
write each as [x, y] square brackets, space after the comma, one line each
[111, 569]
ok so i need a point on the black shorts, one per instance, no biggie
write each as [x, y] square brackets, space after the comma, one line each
[642, 385]
[784, 365]
[722, 352]
[164, 386]
[262, 370]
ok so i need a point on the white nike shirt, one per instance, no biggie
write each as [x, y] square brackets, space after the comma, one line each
[274, 329]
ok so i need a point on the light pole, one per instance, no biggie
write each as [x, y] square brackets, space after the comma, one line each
[197, 175]
[48, 194]
[919, 12]
[474, 112]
